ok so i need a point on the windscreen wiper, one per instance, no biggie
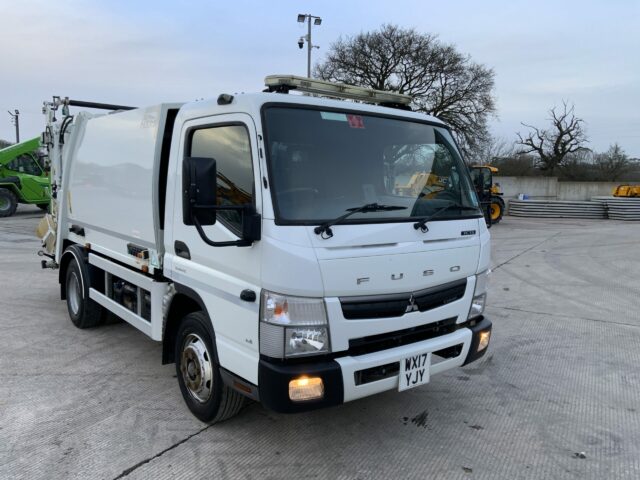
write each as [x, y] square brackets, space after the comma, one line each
[422, 223]
[325, 229]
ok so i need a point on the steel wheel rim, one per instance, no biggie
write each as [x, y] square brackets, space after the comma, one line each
[495, 212]
[196, 368]
[4, 203]
[73, 293]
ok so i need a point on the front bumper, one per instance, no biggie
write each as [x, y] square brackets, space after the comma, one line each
[342, 376]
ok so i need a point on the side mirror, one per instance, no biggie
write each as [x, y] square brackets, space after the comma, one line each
[199, 203]
[199, 190]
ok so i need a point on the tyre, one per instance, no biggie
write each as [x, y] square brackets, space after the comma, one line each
[43, 206]
[208, 398]
[8, 203]
[496, 209]
[84, 312]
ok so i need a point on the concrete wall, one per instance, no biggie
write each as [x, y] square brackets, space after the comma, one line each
[539, 188]
[548, 188]
[584, 190]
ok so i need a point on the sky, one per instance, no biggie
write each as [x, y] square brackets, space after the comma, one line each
[146, 52]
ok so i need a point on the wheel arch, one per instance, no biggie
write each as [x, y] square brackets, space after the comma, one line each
[185, 301]
[13, 187]
[93, 274]
[70, 252]
[497, 199]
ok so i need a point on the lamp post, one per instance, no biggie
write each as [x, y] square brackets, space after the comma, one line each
[15, 117]
[306, 17]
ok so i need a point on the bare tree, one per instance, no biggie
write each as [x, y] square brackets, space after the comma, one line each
[516, 165]
[492, 150]
[578, 166]
[442, 81]
[553, 145]
[614, 163]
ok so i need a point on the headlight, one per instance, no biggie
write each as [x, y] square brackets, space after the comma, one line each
[287, 310]
[477, 306]
[479, 295]
[292, 326]
[305, 340]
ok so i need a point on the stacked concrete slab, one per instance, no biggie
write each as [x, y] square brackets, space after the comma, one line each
[556, 209]
[620, 208]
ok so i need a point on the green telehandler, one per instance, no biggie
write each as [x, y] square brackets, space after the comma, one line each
[23, 178]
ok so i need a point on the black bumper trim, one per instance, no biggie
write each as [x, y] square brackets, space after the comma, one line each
[274, 378]
[482, 325]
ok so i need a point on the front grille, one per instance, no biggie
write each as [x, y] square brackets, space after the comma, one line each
[441, 295]
[384, 341]
[397, 304]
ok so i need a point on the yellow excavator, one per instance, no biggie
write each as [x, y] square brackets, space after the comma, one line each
[422, 183]
[428, 185]
[626, 190]
[488, 192]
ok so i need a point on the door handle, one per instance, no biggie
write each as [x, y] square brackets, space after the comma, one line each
[181, 249]
[248, 295]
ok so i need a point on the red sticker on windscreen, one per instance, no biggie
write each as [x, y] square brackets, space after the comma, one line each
[355, 121]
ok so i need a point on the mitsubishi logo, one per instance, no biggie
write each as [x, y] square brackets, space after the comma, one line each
[412, 307]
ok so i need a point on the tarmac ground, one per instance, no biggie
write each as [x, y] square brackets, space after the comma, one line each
[557, 395]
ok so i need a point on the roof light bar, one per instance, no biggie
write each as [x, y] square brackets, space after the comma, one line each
[285, 83]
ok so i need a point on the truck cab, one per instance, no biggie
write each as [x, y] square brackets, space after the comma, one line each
[285, 264]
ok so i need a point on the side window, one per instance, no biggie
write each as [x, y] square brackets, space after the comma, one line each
[487, 180]
[24, 164]
[13, 165]
[230, 146]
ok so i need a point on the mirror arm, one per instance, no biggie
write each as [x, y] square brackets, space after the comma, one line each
[233, 243]
[208, 241]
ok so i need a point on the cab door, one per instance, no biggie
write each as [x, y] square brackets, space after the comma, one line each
[223, 276]
[34, 183]
[483, 181]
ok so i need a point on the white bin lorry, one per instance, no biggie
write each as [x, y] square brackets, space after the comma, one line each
[298, 250]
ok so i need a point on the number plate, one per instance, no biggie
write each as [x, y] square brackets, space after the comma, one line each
[414, 371]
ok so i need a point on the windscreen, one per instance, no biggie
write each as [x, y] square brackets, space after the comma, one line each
[323, 163]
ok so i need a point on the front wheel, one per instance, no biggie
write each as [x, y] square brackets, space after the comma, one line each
[43, 206]
[203, 390]
[8, 203]
[496, 209]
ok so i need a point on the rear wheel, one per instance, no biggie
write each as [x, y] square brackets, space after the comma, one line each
[8, 203]
[496, 209]
[43, 206]
[203, 390]
[84, 312]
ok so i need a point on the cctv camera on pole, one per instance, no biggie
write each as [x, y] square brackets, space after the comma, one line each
[306, 17]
